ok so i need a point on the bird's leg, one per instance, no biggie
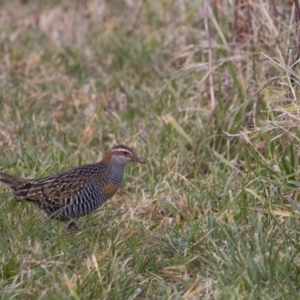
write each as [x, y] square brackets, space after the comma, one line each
[71, 227]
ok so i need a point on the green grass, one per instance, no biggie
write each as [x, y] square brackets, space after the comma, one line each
[79, 77]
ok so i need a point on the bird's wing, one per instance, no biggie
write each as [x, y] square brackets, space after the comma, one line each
[55, 190]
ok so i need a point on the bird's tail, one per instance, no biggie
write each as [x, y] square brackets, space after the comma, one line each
[12, 181]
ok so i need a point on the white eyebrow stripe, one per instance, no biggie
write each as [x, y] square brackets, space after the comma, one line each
[120, 150]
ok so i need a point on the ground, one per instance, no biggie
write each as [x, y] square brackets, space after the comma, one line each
[205, 91]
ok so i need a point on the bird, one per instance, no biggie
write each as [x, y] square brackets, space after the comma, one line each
[77, 192]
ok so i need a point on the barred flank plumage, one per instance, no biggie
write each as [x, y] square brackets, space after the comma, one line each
[76, 192]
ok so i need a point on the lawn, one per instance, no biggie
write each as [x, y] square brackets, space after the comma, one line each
[207, 92]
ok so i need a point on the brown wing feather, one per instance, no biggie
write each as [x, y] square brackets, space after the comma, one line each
[53, 190]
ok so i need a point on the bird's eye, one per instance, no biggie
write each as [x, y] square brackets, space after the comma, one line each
[125, 153]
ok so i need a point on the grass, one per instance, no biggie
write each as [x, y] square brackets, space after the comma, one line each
[77, 77]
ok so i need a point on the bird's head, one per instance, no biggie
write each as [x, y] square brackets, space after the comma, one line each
[121, 155]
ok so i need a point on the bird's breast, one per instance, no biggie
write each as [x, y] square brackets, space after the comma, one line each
[109, 189]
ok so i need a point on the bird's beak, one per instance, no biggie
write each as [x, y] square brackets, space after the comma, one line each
[138, 159]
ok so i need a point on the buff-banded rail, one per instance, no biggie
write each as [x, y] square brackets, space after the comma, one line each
[76, 192]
